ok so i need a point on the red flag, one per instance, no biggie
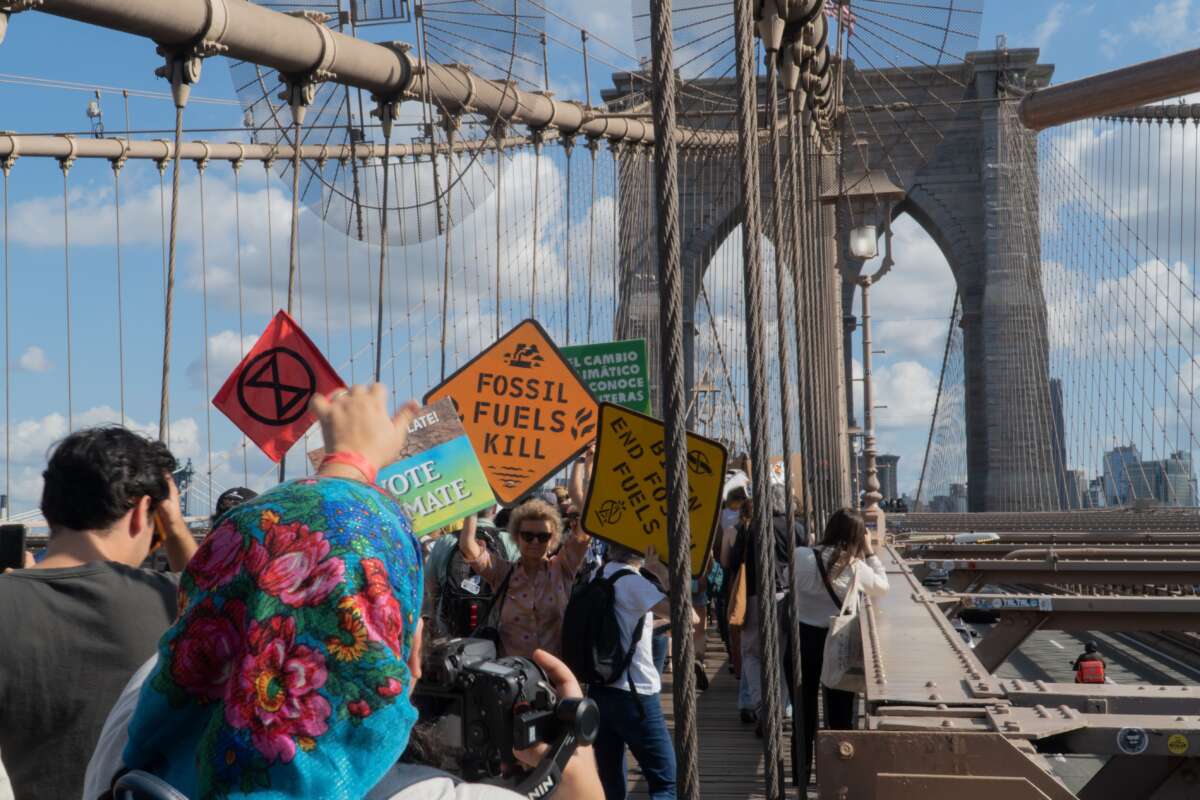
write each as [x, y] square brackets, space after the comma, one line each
[267, 395]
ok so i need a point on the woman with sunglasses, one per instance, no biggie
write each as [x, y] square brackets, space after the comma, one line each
[534, 590]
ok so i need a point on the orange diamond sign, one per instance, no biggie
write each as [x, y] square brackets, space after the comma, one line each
[525, 410]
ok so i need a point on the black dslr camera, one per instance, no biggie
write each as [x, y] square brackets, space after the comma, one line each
[490, 706]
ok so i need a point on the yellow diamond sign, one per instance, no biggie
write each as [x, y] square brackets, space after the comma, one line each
[627, 501]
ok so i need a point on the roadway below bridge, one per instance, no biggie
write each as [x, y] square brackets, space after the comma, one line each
[1047, 655]
[731, 757]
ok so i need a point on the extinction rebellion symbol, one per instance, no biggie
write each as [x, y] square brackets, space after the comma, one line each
[271, 390]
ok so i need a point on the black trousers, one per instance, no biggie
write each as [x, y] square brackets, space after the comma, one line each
[839, 705]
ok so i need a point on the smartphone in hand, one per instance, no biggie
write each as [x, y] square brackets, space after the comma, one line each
[12, 546]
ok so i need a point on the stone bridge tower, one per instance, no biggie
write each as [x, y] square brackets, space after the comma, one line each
[967, 186]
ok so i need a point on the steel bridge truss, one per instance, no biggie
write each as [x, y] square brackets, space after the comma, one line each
[941, 725]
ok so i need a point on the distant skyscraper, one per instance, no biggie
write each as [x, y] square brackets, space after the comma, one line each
[1128, 479]
[1077, 487]
[886, 467]
[1124, 480]
[1061, 479]
[1174, 483]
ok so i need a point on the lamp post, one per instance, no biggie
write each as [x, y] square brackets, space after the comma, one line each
[870, 196]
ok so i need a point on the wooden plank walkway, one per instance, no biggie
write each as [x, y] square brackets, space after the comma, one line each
[731, 756]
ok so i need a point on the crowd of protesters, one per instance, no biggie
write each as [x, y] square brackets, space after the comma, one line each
[278, 658]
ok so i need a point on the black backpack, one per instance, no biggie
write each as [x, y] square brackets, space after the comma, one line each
[592, 644]
[466, 599]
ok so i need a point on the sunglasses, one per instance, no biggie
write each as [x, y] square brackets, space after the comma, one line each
[530, 537]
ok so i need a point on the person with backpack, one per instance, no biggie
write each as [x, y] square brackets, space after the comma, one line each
[823, 576]
[458, 602]
[1089, 667]
[609, 625]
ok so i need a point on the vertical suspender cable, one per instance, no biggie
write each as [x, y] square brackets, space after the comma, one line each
[498, 131]
[294, 234]
[6, 166]
[117, 163]
[164, 410]
[798, 199]
[268, 165]
[451, 124]
[294, 238]
[537, 202]
[592, 146]
[65, 164]
[162, 220]
[201, 165]
[674, 402]
[387, 157]
[614, 147]
[747, 119]
[568, 143]
[237, 224]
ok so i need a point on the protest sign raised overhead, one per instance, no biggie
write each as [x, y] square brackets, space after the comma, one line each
[615, 371]
[627, 501]
[267, 395]
[437, 478]
[524, 409]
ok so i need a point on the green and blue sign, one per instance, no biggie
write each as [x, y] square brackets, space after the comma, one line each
[616, 372]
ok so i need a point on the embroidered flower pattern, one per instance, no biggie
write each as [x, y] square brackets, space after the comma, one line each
[275, 694]
[293, 625]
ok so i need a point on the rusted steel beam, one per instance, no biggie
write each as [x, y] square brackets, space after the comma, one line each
[873, 765]
[965, 573]
[1011, 525]
[1109, 92]
[1105, 698]
[911, 653]
[1071, 550]
[1058, 729]
[1021, 615]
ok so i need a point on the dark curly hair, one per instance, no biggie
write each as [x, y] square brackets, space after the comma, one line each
[95, 475]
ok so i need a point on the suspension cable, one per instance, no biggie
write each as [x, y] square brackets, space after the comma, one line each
[200, 168]
[117, 163]
[6, 166]
[65, 165]
[747, 121]
[237, 224]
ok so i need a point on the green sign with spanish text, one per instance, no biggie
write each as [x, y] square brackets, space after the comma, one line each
[616, 372]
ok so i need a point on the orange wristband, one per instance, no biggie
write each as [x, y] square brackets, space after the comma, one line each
[354, 460]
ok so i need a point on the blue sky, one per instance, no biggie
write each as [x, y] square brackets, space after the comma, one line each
[1078, 37]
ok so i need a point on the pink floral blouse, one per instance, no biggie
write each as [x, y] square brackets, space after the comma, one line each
[533, 610]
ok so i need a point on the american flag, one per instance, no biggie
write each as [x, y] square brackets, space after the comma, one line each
[841, 14]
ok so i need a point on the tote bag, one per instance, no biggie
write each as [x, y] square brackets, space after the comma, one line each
[842, 664]
[737, 598]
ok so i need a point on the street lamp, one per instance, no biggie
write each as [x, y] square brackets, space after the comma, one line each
[864, 242]
[868, 196]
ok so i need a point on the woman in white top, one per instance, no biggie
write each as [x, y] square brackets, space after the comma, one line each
[824, 573]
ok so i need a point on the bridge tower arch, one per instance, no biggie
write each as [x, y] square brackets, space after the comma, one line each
[967, 190]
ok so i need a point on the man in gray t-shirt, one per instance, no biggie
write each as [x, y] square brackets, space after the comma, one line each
[77, 625]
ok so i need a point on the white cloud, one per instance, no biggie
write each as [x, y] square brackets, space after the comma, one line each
[224, 353]
[1170, 24]
[1050, 25]
[34, 360]
[910, 308]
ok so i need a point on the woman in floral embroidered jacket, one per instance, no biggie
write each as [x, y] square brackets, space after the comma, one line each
[297, 617]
